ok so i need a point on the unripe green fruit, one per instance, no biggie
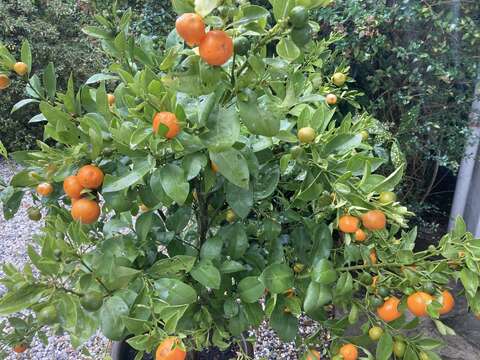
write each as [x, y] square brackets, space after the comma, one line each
[302, 36]
[34, 213]
[339, 79]
[399, 348]
[375, 333]
[306, 135]
[387, 197]
[241, 45]
[92, 301]
[298, 17]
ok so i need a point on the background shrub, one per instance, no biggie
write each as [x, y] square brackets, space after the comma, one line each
[54, 30]
[417, 63]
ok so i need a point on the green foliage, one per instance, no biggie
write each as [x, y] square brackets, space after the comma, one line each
[417, 64]
[184, 266]
[53, 29]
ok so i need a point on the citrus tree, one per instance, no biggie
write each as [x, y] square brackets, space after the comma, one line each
[193, 192]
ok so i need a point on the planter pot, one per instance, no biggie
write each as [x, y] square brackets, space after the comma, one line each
[122, 351]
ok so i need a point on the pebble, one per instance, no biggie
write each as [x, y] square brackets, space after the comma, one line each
[15, 236]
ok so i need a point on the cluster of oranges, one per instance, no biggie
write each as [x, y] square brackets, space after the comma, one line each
[372, 220]
[20, 68]
[89, 177]
[417, 304]
[215, 46]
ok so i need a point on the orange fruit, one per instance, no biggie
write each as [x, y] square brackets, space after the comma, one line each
[214, 167]
[20, 348]
[111, 99]
[349, 352]
[374, 220]
[348, 224]
[170, 349]
[331, 99]
[216, 48]
[20, 68]
[373, 257]
[72, 187]
[169, 120]
[448, 302]
[389, 310]
[90, 176]
[44, 189]
[360, 235]
[85, 210]
[4, 81]
[417, 303]
[312, 354]
[191, 28]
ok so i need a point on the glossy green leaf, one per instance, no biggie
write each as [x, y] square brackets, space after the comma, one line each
[232, 164]
[206, 274]
[250, 289]
[277, 278]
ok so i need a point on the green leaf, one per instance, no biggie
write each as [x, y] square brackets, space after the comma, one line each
[323, 272]
[470, 281]
[21, 298]
[212, 248]
[175, 292]
[174, 183]
[223, 129]
[100, 77]
[236, 240]
[250, 289]
[111, 317]
[266, 181]
[26, 55]
[287, 49]
[50, 81]
[281, 8]
[172, 266]
[342, 143]
[277, 278]
[284, 324]
[260, 116]
[139, 170]
[192, 164]
[316, 298]
[239, 199]
[206, 274]
[233, 166]
[97, 32]
[322, 242]
[391, 181]
[231, 266]
[205, 7]
[384, 347]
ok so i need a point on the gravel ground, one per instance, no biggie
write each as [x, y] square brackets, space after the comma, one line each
[15, 235]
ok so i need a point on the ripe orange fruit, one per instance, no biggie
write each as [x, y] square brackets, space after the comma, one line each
[374, 220]
[111, 99]
[360, 235]
[20, 68]
[20, 348]
[216, 48]
[349, 352]
[90, 176]
[389, 310]
[373, 257]
[331, 99]
[312, 354]
[348, 224]
[448, 302]
[417, 303]
[72, 187]
[85, 210]
[170, 349]
[4, 81]
[169, 120]
[44, 189]
[191, 28]
[214, 167]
